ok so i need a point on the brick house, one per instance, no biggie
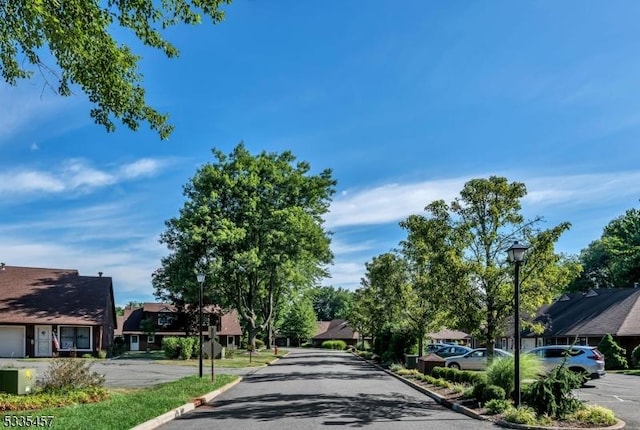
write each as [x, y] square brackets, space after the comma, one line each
[167, 321]
[44, 312]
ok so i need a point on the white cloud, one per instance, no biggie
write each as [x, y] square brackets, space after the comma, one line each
[73, 175]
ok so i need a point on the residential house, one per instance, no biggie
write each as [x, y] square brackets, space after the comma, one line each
[166, 320]
[47, 312]
[584, 317]
[588, 316]
[338, 329]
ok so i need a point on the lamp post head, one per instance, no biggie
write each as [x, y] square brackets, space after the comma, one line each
[200, 277]
[516, 252]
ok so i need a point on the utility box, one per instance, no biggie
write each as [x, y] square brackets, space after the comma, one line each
[410, 361]
[17, 381]
[428, 362]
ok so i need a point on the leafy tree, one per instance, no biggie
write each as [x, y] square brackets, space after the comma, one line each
[377, 306]
[431, 263]
[255, 225]
[80, 36]
[614, 259]
[331, 303]
[299, 321]
[481, 224]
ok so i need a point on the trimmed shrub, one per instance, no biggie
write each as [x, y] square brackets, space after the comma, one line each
[497, 406]
[478, 390]
[334, 344]
[614, 354]
[102, 354]
[171, 347]
[188, 347]
[493, 392]
[259, 344]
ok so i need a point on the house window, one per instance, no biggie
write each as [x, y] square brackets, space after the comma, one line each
[151, 338]
[165, 319]
[75, 338]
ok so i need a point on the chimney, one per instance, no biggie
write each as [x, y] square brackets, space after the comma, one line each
[100, 274]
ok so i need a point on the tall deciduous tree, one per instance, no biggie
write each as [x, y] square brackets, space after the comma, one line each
[257, 224]
[614, 259]
[299, 320]
[484, 221]
[330, 303]
[80, 35]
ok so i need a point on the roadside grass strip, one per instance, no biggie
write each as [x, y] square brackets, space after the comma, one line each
[239, 360]
[125, 408]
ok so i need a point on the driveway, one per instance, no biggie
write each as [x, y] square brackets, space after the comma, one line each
[617, 392]
[120, 373]
[311, 389]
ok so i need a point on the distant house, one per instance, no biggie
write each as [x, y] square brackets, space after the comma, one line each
[166, 320]
[338, 329]
[44, 312]
[449, 336]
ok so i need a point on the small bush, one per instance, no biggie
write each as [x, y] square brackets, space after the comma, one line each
[334, 344]
[229, 353]
[521, 415]
[86, 356]
[595, 415]
[259, 344]
[102, 354]
[552, 395]
[171, 347]
[478, 390]
[188, 347]
[493, 392]
[363, 346]
[67, 374]
[497, 406]
[501, 371]
[395, 367]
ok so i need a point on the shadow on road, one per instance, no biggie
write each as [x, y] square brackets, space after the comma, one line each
[352, 411]
[293, 376]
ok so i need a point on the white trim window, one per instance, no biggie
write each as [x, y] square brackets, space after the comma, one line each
[76, 337]
[151, 338]
[165, 319]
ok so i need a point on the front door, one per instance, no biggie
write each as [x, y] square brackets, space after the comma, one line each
[43, 341]
[231, 342]
[134, 345]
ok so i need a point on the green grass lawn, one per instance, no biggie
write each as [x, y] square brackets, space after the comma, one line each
[240, 359]
[126, 409]
[635, 372]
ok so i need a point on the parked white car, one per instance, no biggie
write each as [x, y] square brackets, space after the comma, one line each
[474, 360]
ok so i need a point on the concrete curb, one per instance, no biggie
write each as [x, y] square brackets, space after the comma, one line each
[187, 407]
[620, 425]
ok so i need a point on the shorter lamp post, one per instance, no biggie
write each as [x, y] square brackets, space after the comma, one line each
[200, 278]
[516, 255]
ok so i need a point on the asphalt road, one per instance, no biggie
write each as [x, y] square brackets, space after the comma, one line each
[312, 389]
[620, 393]
[129, 373]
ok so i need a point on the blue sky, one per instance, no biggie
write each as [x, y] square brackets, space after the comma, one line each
[404, 102]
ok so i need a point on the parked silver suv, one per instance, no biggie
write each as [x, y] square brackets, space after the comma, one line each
[579, 358]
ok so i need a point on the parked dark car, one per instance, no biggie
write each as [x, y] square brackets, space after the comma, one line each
[451, 350]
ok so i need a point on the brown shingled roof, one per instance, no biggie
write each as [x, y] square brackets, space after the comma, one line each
[230, 326]
[338, 329]
[53, 296]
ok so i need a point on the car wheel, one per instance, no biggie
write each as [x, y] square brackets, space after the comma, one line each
[454, 366]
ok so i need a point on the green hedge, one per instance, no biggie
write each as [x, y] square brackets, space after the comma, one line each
[334, 344]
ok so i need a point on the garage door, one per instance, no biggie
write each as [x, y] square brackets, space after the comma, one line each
[11, 341]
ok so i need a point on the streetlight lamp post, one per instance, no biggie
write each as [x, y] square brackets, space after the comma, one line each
[516, 254]
[200, 278]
